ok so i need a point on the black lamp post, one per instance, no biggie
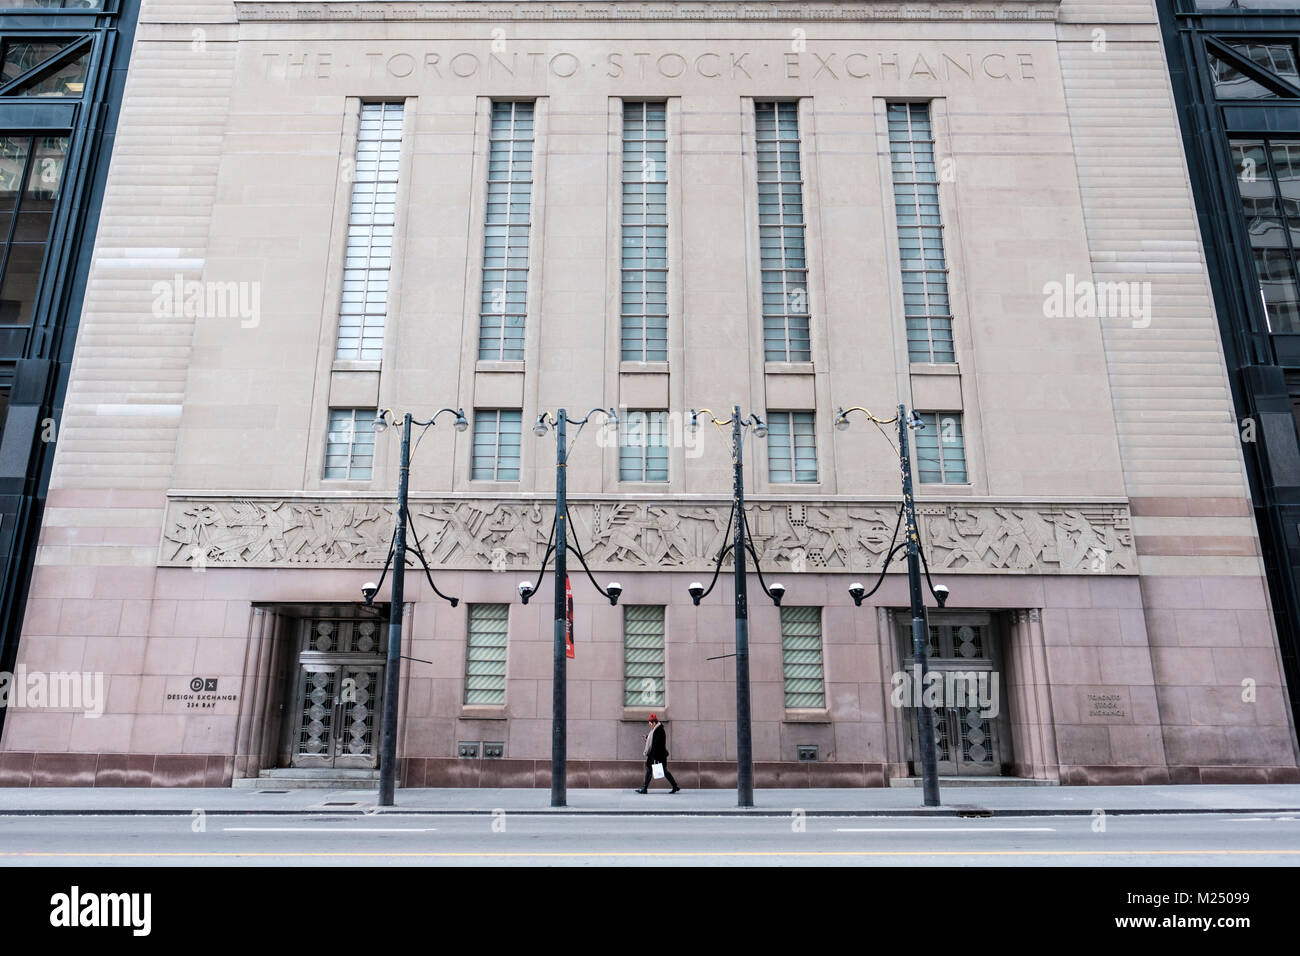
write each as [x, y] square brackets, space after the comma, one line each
[392, 683]
[915, 557]
[741, 541]
[560, 548]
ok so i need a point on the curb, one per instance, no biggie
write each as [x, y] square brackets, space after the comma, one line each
[955, 812]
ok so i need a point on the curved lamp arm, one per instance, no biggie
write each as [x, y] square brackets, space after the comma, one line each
[428, 572]
[749, 546]
[841, 422]
[612, 593]
[717, 567]
[893, 550]
[541, 572]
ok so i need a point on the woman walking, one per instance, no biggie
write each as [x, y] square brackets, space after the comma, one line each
[656, 752]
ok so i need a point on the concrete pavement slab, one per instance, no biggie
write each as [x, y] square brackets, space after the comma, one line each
[1008, 801]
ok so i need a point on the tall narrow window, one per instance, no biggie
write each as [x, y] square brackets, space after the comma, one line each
[643, 449]
[645, 232]
[364, 309]
[496, 444]
[31, 174]
[791, 447]
[1268, 179]
[505, 242]
[941, 449]
[781, 234]
[485, 654]
[920, 235]
[801, 658]
[643, 656]
[350, 445]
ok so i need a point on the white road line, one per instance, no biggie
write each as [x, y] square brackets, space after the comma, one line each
[329, 829]
[945, 830]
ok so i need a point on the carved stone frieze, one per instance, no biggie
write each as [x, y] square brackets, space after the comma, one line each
[512, 534]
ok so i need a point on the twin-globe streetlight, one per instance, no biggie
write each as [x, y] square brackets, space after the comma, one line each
[388, 745]
[915, 559]
[740, 543]
[559, 547]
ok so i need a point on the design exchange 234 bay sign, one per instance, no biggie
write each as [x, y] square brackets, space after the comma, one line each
[495, 534]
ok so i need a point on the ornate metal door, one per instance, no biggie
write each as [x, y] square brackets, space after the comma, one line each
[339, 694]
[965, 692]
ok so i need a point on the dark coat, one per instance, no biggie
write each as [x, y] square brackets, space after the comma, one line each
[658, 745]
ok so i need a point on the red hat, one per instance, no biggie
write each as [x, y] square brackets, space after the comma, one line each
[654, 719]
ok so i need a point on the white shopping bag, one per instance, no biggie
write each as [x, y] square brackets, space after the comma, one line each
[657, 770]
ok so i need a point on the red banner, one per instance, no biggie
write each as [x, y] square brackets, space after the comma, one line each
[568, 616]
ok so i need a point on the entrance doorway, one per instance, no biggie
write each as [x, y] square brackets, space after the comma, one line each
[971, 735]
[339, 690]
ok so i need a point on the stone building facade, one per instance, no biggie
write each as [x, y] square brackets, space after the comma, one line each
[978, 210]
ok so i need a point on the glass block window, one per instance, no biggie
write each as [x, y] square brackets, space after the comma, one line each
[485, 654]
[505, 242]
[350, 444]
[496, 444]
[643, 446]
[364, 309]
[643, 656]
[791, 447]
[1268, 181]
[940, 449]
[783, 263]
[645, 232]
[801, 657]
[920, 234]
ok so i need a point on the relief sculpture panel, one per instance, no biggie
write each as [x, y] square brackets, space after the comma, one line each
[512, 534]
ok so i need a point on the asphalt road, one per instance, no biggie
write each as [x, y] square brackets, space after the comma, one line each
[527, 840]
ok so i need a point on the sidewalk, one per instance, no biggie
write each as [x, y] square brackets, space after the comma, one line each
[977, 801]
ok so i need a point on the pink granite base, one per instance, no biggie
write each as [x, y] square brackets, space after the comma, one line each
[616, 774]
[19, 769]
